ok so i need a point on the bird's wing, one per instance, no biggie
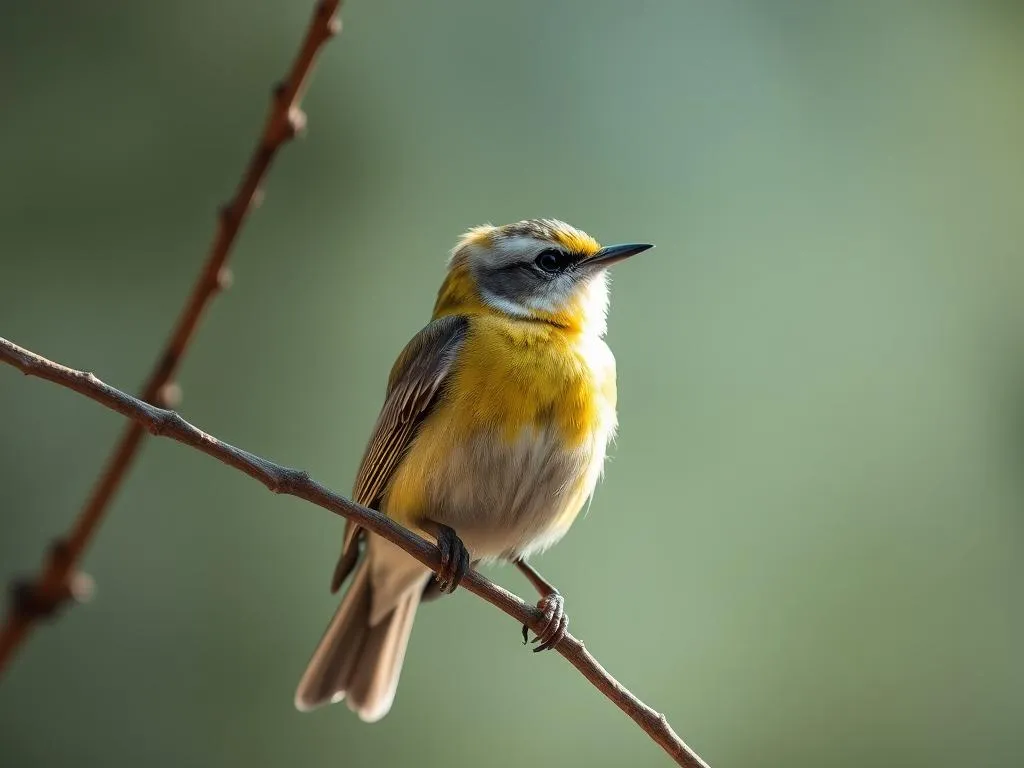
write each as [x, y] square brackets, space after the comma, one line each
[413, 387]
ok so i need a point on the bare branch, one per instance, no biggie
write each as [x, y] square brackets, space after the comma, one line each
[59, 581]
[294, 482]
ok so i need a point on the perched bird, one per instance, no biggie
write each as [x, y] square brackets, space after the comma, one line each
[491, 439]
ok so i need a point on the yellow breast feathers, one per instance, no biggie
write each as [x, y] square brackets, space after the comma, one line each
[511, 375]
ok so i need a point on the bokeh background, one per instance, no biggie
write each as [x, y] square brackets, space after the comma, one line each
[809, 546]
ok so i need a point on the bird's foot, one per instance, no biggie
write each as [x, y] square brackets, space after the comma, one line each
[454, 559]
[556, 622]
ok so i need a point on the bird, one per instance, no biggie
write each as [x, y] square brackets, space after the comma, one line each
[491, 439]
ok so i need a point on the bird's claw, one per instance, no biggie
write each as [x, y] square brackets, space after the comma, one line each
[454, 559]
[556, 622]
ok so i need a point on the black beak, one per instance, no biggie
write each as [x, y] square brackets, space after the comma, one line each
[616, 253]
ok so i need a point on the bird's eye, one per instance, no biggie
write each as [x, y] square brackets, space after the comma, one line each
[552, 260]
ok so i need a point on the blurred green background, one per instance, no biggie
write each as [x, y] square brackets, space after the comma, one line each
[809, 546]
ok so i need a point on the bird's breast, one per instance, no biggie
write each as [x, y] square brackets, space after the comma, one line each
[512, 375]
[517, 444]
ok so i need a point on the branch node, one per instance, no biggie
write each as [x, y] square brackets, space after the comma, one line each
[279, 91]
[166, 422]
[287, 480]
[34, 601]
[28, 602]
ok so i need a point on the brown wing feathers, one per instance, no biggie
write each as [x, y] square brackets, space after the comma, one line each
[413, 387]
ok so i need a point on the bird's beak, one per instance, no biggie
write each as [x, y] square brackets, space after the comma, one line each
[613, 254]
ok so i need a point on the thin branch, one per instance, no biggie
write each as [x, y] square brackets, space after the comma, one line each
[297, 483]
[59, 580]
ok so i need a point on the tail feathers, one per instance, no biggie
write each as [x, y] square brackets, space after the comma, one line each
[356, 661]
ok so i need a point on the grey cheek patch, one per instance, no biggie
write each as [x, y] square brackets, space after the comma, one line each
[512, 282]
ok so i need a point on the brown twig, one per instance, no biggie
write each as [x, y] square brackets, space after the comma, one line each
[59, 581]
[294, 482]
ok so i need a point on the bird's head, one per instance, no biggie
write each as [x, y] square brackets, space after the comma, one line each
[538, 269]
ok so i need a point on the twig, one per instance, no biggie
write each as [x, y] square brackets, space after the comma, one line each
[297, 483]
[59, 581]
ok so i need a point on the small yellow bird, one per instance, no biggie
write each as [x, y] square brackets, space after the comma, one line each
[491, 439]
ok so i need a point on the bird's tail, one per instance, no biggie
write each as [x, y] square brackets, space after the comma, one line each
[355, 660]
